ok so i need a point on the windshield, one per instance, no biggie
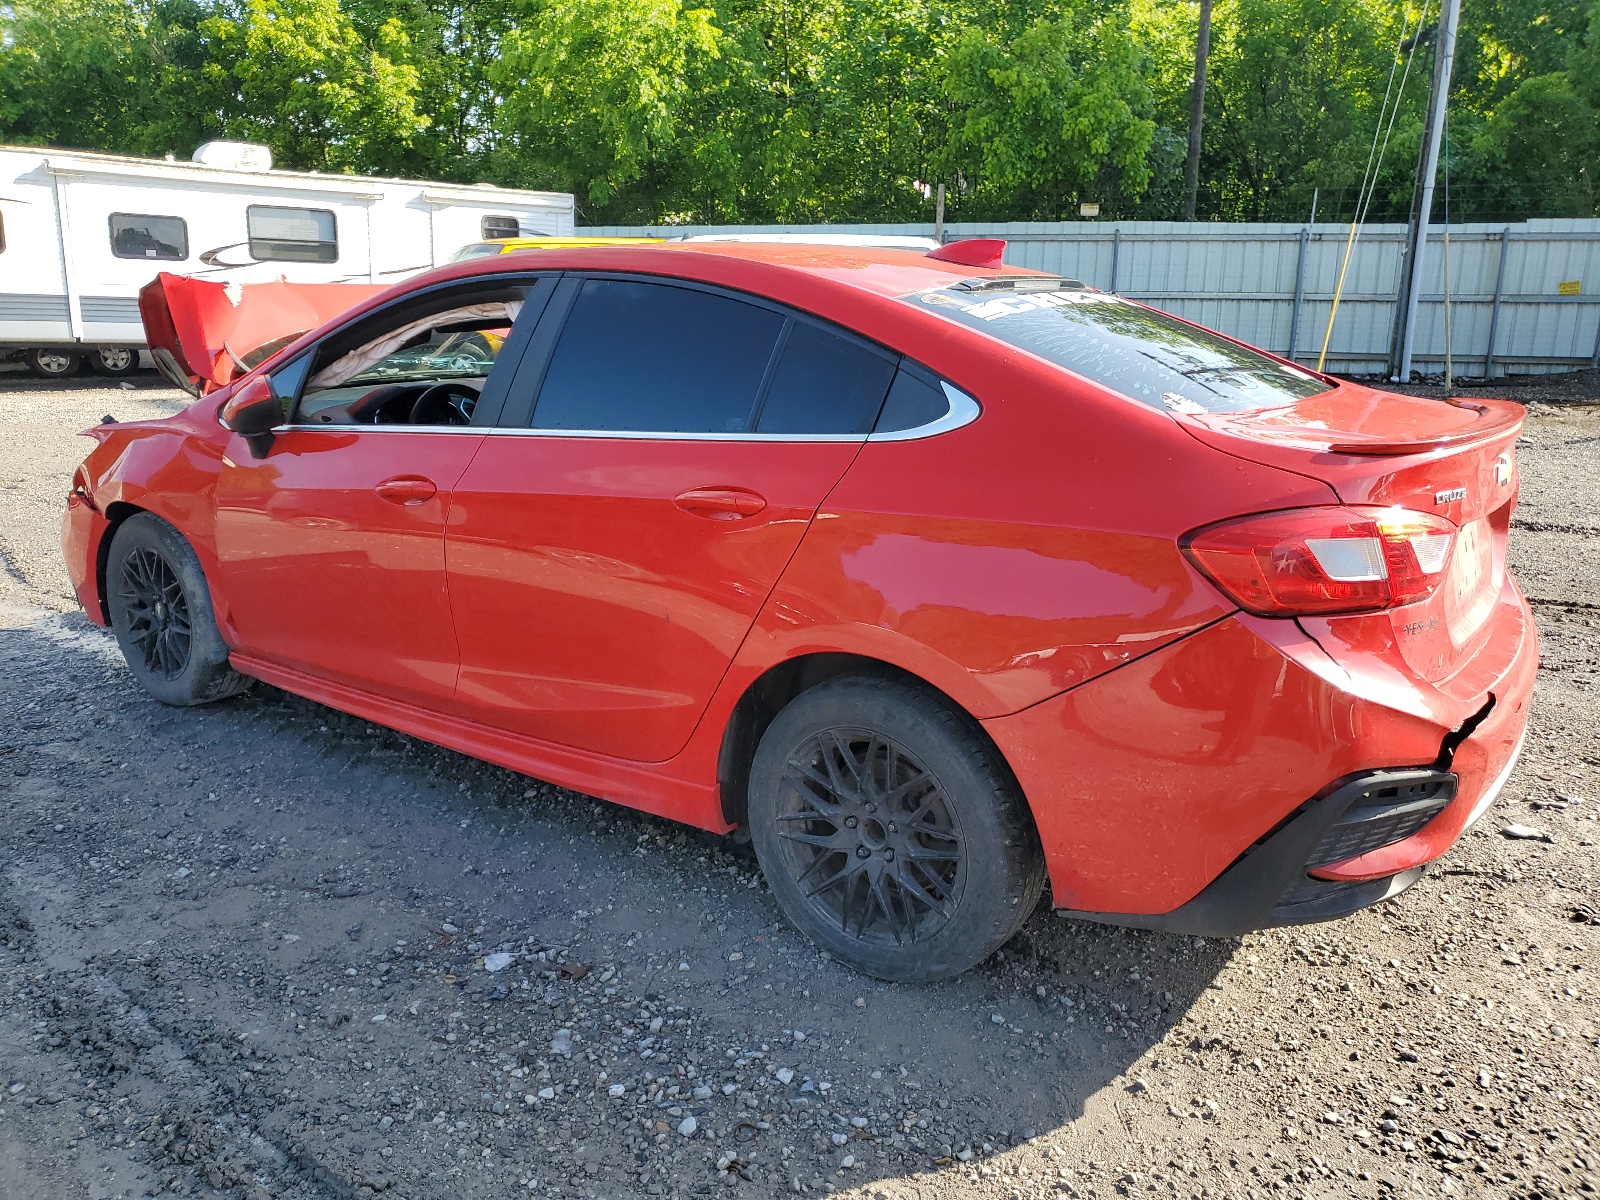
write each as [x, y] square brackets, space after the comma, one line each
[477, 250]
[1143, 354]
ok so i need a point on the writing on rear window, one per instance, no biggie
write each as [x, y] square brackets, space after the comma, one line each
[1143, 354]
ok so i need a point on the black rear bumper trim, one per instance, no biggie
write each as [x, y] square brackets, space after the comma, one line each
[1268, 885]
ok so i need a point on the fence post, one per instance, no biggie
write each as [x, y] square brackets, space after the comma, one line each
[1299, 292]
[1494, 308]
[1116, 250]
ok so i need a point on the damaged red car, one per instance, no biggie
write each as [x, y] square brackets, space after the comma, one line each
[947, 580]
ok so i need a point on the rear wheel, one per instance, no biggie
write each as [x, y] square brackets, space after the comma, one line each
[888, 832]
[113, 361]
[52, 362]
[161, 612]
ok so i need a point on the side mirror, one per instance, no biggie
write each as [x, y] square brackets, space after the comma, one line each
[253, 412]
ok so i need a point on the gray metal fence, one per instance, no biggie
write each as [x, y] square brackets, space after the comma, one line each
[1524, 298]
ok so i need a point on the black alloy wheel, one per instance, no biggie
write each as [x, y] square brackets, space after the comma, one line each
[159, 606]
[157, 612]
[871, 837]
[890, 831]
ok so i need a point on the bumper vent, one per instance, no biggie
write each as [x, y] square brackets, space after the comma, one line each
[1382, 817]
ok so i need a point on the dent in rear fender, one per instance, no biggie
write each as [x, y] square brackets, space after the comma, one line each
[1375, 664]
[1148, 782]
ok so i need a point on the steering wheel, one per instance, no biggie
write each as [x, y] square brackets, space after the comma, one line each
[445, 404]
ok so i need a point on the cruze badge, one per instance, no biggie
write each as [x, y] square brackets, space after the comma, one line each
[1450, 495]
[1502, 470]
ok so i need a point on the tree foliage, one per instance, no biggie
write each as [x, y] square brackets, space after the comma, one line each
[783, 110]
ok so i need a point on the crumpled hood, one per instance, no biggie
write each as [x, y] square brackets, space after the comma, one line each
[198, 330]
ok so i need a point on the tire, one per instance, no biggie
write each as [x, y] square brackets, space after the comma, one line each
[52, 362]
[113, 362]
[913, 899]
[160, 609]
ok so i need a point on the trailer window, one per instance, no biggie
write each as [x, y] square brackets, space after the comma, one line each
[2, 233]
[136, 235]
[501, 227]
[292, 234]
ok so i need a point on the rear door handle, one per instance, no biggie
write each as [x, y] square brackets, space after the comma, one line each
[407, 489]
[721, 503]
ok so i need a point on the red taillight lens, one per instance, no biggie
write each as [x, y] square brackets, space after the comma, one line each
[1324, 560]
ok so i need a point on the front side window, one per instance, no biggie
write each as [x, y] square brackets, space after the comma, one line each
[419, 370]
[140, 236]
[1136, 351]
[654, 358]
[500, 227]
[292, 234]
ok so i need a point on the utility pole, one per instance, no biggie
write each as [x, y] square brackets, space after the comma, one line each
[1405, 315]
[1197, 111]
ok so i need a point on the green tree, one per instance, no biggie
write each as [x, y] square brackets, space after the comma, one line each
[594, 88]
[1053, 115]
[314, 90]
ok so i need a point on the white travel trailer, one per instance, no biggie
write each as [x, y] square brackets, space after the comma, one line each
[81, 233]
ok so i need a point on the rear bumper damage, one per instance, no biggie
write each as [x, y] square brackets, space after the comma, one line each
[1173, 793]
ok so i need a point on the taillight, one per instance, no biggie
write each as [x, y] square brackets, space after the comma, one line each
[1324, 560]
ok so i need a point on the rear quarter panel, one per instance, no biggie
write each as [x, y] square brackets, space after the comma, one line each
[1023, 554]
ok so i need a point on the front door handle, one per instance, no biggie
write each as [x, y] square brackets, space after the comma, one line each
[721, 503]
[407, 489]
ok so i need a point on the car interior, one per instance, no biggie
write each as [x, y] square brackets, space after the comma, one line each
[428, 370]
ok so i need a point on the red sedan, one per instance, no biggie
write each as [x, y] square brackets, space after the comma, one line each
[942, 578]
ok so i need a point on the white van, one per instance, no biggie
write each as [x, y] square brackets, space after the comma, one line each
[81, 233]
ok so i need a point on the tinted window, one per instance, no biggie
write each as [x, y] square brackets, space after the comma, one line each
[912, 403]
[651, 358]
[824, 383]
[135, 236]
[500, 227]
[1146, 355]
[292, 234]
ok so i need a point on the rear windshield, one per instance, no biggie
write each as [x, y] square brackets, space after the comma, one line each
[1143, 354]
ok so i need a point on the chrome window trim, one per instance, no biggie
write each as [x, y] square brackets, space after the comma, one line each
[963, 411]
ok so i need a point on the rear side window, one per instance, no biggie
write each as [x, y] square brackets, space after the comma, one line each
[135, 235]
[913, 401]
[653, 358]
[292, 234]
[824, 383]
[1143, 354]
[500, 227]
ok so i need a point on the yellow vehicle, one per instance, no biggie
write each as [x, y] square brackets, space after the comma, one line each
[507, 245]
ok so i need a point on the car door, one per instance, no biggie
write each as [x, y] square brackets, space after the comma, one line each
[331, 546]
[608, 553]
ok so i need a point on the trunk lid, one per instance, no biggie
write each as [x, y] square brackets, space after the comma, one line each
[1450, 458]
[202, 332]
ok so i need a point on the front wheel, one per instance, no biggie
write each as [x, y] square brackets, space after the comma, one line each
[49, 362]
[889, 833]
[160, 609]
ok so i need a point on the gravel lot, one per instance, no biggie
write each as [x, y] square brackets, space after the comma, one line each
[265, 949]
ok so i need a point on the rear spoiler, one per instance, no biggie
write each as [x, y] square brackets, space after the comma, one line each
[201, 332]
[1494, 417]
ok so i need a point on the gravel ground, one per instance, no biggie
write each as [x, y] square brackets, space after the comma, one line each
[265, 949]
